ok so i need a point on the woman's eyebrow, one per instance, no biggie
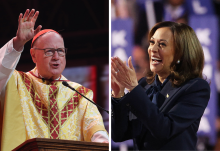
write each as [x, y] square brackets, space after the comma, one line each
[163, 40]
[152, 38]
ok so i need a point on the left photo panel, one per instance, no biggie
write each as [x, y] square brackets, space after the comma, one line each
[54, 75]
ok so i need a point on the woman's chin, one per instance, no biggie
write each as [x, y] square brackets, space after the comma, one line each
[154, 69]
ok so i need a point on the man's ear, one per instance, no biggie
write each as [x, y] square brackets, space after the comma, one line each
[33, 55]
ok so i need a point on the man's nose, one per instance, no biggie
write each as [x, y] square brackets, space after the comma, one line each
[55, 56]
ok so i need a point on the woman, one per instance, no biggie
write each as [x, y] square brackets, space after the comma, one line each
[162, 111]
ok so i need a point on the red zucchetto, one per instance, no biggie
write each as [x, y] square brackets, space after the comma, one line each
[42, 32]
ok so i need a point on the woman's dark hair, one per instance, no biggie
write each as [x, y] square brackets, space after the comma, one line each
[187, 49]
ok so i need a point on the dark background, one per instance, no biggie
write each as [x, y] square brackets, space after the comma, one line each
[82, 23]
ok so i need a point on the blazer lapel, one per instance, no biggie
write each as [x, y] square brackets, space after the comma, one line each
[168, 92]
[148, 86]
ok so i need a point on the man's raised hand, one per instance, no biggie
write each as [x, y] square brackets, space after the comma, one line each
[26, 30]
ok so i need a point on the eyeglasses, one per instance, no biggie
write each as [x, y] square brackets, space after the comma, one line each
[50, 51]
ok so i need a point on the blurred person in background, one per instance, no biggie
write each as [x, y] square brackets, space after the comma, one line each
[141, 62]
[175, 10]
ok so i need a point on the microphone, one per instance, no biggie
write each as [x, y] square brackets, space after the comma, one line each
[67, 85]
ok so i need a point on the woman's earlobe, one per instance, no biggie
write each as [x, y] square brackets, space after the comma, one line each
[178, 61]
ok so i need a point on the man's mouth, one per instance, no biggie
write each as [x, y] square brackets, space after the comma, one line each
[55, 65]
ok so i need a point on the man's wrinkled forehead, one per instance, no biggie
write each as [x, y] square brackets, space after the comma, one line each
[41, 33]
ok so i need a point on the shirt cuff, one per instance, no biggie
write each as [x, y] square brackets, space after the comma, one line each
[100, 137]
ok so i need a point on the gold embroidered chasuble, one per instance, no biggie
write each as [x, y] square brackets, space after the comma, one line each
[37, 109]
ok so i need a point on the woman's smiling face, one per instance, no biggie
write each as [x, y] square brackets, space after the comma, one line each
[161, 51]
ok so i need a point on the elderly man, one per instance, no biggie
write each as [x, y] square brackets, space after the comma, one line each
[36, 104]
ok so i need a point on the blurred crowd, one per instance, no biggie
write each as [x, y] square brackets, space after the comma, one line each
[170, 10]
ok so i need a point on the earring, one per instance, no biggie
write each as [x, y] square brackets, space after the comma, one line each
[178, 61]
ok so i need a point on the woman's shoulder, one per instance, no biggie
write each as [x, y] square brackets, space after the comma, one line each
[195, 91]
[199, 81]
[196, 84]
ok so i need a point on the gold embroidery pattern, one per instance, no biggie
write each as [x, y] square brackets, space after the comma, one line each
[70, 105]
[53, 117]
[54, 122]
[35, 97]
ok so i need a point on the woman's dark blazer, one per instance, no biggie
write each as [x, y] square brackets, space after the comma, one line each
[173, 126]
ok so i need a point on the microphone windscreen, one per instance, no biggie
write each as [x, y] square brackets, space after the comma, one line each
[65, 83]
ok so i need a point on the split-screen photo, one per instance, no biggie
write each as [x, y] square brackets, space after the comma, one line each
[105, 75]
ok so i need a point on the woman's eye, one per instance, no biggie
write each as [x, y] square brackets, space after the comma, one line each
[162, 44]
[151, 42]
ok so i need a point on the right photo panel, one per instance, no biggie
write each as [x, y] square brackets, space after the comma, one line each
[165, 75]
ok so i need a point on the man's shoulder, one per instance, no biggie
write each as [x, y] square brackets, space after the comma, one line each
[20, 74]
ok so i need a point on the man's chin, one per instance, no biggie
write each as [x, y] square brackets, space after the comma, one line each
[54, 75]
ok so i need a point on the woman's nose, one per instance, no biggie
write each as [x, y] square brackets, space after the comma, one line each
[154, 48]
